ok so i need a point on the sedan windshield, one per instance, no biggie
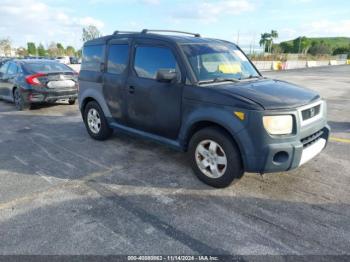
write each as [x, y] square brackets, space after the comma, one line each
[218, 62]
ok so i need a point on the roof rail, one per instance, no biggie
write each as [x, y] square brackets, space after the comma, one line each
[124, 32]
[145, 31]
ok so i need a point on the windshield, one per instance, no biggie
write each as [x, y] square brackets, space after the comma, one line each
[212, 62]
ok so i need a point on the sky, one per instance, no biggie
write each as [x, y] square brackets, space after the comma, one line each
[242, 21]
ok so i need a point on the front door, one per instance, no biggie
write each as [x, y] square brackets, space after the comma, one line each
[3, 81]
[154, 106]
[9, 80]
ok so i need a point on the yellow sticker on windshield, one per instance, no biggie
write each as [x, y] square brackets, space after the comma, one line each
[230, 68]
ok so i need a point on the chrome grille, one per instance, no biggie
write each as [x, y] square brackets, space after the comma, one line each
[310, 112]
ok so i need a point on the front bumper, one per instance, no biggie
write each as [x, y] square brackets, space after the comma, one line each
[287, 156]
[264, 153]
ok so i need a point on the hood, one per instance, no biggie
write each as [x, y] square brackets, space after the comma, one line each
[270, 94]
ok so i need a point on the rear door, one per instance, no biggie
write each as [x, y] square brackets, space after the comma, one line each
[115, 77]
[154, 106]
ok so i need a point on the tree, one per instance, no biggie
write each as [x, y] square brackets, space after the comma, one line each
[320, 48]
[273, 35]
[5, 47]
[276, 49]
[31, 48]
[41, 50]
[79, 53]
[264, 40]
[342, 50]
[60, 49]
[21, 51]
[287, 47]
[90, 32]
[301, 45]
[52, 49]
[70, 51]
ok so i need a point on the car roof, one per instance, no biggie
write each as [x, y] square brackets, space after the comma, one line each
[179, 39]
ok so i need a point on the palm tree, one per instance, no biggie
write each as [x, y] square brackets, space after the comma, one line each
[273, 35]
[264, 40]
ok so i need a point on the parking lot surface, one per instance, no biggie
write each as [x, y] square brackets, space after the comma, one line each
[63, 193]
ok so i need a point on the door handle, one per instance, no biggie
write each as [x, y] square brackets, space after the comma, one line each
[131, 89]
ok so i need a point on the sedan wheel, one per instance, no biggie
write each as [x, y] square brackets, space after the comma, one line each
[18, 100]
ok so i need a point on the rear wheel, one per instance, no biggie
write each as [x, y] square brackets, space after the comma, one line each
[19, 101]
[214, 157]
[95, 122]
[71, 101]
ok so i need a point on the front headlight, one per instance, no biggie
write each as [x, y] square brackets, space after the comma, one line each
[278, 125]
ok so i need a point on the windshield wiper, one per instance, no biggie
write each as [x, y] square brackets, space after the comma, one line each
[250, 77]
[218, 80]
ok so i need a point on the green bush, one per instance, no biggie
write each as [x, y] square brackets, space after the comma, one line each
[320, 49]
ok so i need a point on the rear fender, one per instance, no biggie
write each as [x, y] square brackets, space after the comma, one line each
[94, 91]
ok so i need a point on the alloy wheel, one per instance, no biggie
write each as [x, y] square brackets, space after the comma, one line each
[211, 158]
[94, 121]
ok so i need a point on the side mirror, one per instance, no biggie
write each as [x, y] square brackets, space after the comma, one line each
[166, 75]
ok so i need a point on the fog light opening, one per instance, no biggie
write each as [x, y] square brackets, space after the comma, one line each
[280, 157]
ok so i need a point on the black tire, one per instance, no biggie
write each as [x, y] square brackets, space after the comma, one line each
[231, 172]
[19, 101]
[71, 101]
[104, 131]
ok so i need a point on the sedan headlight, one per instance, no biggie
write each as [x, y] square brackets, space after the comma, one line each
[278, 125]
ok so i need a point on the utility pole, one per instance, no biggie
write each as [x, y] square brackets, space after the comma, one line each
[237, 38]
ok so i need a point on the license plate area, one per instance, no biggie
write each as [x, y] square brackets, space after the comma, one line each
[312, 150]
[61, 84]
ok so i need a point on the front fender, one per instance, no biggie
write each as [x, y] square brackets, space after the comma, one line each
[219, 115]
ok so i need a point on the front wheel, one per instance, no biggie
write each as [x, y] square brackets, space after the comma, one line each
[95, 122]
[214, 157]
[71, 101]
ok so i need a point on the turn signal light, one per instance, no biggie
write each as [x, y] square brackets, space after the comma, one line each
[240, 115]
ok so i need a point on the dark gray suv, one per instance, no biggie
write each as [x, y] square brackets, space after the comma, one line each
[202, 96]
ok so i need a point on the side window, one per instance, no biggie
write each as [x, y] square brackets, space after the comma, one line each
[3, 69]
[92, 58]
[117, 58]
[148, 60]
[12, 70]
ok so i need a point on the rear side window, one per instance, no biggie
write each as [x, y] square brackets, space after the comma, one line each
[117, 58]
[12, 70]
[3, 69]
[148, 60]
[92, 58]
